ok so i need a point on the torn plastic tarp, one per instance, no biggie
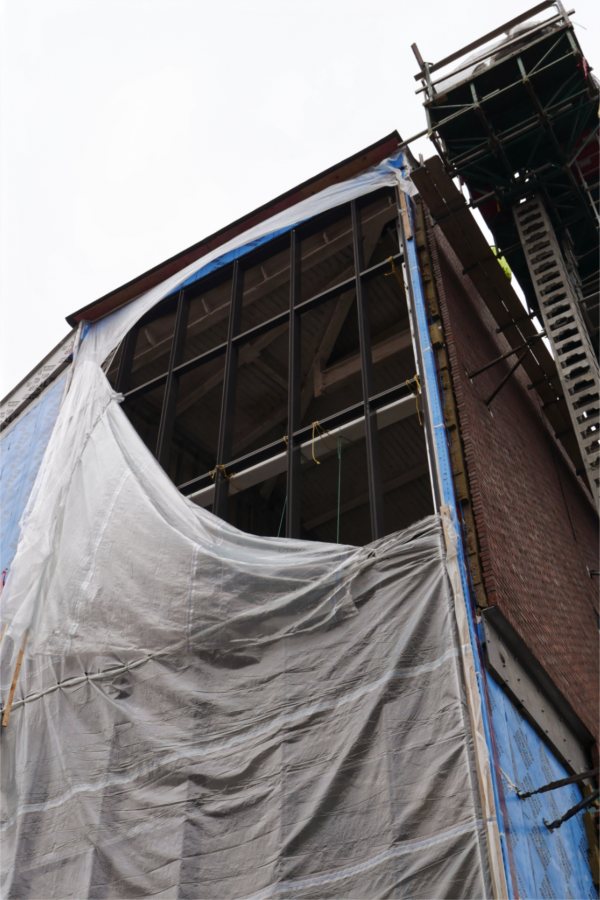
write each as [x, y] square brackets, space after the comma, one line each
[89, 393]
[109, 331]
[205, 713]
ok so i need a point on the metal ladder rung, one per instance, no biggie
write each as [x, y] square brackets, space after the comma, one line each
[592, 445]
[583, 403]
[592, 413]
[555, 321]
[566, 338]
[572, 357]
[578, 379]
[576, 363]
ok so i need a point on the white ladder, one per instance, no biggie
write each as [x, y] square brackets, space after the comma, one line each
[565, 329]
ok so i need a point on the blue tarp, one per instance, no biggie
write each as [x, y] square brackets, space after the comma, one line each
[395, 162]
[548, 863]
[443, 469]
[232, 256]
[22, 447]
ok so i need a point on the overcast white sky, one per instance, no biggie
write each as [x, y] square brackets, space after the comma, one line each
[131, 129]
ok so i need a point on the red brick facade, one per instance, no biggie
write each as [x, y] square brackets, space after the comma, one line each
[537, 529]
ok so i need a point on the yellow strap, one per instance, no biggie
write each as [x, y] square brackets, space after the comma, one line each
[13, 684]
[223, 470]
[414, 384]
[315, 426]
[395, 271]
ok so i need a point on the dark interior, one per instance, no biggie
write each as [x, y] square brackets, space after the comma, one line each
[313, 324]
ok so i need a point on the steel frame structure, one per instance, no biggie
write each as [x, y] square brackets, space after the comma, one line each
[516, 120]
[226, 463]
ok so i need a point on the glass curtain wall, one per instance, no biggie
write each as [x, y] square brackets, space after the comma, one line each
[280, 391]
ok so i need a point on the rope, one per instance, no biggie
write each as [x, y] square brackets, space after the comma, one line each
[282, 517]
[13, 685]
[221, 469]
[317, 431]
[415, 385]
[395, 272]
[509, 783]
[339, 490]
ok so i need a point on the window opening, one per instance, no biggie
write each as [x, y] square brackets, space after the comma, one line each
[208, 315]
[260, 508]
[378, 228]
[335, 491]
[266, 284]
[392, 352]
[194, 443]
[405, 477]
[330, 367]
[152, 344]
[326, 253]
[279, 390]
[143, 410]
[112, 364]
[260, 410]
[323, 443]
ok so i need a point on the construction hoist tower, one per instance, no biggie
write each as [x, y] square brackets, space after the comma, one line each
[514, 115]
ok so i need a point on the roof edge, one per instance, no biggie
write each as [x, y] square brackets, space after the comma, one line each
[49, 368]
[349, 167]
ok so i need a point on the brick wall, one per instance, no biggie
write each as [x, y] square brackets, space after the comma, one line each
[536, 527]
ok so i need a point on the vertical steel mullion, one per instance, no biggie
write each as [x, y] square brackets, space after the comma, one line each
[123, 380]
[167, 418]
[371, 436]
[224, 440]
[405, 233]
[293, 449]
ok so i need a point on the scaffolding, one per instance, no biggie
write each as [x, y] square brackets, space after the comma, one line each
[514, 116]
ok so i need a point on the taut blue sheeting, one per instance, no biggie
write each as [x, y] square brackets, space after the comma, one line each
[446, 487]
[22, 447]
[233, 255]
[548, 863]
[394, 162]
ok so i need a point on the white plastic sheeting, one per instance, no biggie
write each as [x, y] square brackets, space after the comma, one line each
[89, 394]
[205, 713]
[109, 332]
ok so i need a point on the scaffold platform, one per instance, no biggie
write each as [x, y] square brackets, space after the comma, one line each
[515, 114]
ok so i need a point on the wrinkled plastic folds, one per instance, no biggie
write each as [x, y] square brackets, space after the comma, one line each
[205, 713]
[210, 714]
[110, 331]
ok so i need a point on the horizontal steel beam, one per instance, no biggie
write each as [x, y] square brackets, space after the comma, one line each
[321, 446]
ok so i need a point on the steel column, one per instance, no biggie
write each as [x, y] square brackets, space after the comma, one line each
[224, 441]
[123, 378]
[167, 418]
[294, 387]
[371, 436]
